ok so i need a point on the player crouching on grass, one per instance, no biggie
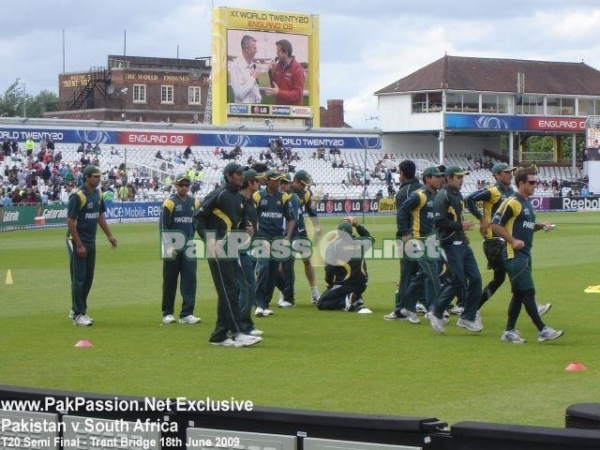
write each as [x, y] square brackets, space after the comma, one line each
[515, 223]
[346, 270]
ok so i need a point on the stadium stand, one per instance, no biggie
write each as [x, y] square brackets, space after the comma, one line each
[339, 176]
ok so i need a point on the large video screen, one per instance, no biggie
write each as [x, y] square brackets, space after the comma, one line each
[265, 65]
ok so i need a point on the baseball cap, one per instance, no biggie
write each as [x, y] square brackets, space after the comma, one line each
[233, 167]
[303, 177]
[432, 172]
[182, 176]
[502, 167]
[455, 170]
[273, 175]
[286, 178]
[252, 174]
[91, 170]
[345, 225]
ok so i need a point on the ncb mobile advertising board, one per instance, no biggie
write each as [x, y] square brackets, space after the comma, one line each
[245, 56]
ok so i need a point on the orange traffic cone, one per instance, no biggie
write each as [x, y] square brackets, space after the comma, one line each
[574, 367]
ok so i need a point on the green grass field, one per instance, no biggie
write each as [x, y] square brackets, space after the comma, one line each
[328, 361]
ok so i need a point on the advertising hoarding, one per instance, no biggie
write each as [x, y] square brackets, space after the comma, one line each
[104, 137]
[463, 122]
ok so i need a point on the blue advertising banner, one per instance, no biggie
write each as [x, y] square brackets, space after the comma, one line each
[25, 217]
[103, 137]
[132, 211]
[485, 122]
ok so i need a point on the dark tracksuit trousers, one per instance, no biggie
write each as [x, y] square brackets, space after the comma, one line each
[335, 297]
[411, 286]
[493, 250]
[224, 274]
[247, 287]
[464, 276]
[265, 283]
[286, 280]
[172, 269]
[82, 275]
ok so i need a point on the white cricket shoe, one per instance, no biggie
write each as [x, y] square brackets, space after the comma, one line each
[83, 321]
[246, 340]
[190, 319]
[169, 318]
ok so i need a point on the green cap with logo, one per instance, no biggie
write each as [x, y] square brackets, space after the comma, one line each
[345, 225]
[502, 167]
[303, 177]
[91, 170]
[273, 175]
[252, 174]
[455, 170]
[432, 171]
[233, 167]
[182, 177]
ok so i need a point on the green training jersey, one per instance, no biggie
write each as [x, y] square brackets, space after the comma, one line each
[415, 214]
[85, 207]
[177, 214]
[491, 197]
[517, 215]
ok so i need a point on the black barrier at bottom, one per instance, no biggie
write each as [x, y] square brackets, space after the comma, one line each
[583, 415]
[72, 420]
[490, 436]
[60, 420]
[382, 429]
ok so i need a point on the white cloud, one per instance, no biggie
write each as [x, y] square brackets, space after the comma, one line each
[365, 46]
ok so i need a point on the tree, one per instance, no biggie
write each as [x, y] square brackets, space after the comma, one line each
[11, 104]
[565, 149]
[45, 101]
[12, 101]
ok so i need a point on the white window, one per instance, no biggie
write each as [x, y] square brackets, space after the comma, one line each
[427, 102]
[462, 102]
[560, 106]
[586, 107]
[166, 94]
[193, 95]
[530, 104]
[139, 93]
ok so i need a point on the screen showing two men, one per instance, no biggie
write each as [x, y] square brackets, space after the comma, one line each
[267, 73]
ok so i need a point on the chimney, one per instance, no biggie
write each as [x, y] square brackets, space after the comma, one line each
[335, 113]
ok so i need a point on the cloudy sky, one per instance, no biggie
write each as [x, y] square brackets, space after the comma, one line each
[365, 45]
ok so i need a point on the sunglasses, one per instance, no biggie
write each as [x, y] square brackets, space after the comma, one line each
[186, 185]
